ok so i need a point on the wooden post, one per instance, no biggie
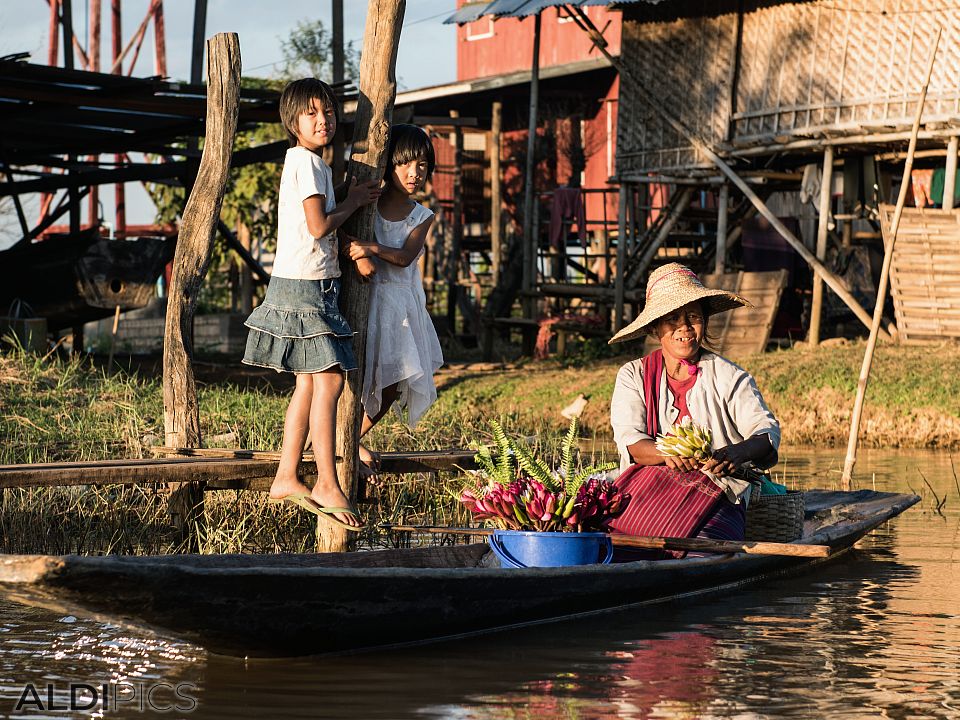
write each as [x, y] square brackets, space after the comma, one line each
[181, 413]
[949, 182]
[723, 214]
[371, 134]
[119, 189]
[851, 458]
[816, 308]
[456, 234]
[496, 201]
[529, 188]
[620, 278]
[336, 15]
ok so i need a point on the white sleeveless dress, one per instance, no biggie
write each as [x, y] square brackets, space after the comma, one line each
[402, 344]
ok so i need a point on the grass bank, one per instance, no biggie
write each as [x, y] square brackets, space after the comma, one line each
[60, 410]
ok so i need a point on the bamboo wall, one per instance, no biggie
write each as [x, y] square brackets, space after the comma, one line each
[804, 69]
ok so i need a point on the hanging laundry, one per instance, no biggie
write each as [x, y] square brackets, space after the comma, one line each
[567, 205]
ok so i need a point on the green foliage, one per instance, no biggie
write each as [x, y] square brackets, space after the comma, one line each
[307, 52]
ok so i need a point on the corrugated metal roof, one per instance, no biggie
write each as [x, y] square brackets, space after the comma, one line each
[524, 8]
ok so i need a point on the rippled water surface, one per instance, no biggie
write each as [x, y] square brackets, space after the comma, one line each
[874, 634]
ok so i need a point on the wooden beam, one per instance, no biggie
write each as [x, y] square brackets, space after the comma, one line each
[378, 89]
[181, 412]
[816, 308]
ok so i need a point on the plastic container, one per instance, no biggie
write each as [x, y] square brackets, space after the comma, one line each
[524, 549]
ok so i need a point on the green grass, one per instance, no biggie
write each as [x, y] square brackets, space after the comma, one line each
[68, 409]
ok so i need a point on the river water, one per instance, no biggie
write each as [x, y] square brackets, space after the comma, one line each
[874, 634]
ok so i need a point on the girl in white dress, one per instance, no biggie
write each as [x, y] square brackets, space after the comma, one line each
[403, 351]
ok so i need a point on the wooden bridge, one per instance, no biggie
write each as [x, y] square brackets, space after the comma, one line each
[217, 469]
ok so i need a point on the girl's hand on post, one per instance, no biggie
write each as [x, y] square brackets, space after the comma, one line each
[363, 193]
[366, 268]
[358, 250]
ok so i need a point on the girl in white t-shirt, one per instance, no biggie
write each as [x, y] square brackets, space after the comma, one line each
[403, 351]
[299, 328]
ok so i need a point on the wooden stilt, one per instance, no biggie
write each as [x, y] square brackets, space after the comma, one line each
[529, 189]
[723, 214]
[374, 114]
[181, 412]
[496, 200]
[950, 179]
[851, 458]
[620, 278]
[456, 234]
[816, 307]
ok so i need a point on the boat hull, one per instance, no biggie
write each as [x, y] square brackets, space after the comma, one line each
[287, 605]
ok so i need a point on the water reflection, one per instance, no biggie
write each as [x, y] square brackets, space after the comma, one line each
[876, 634]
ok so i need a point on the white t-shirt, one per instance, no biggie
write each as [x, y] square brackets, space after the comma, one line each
[300, 256]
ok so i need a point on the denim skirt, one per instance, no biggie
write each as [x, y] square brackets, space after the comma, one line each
[299, 328]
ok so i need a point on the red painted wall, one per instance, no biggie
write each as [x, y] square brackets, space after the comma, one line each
[510, 46]
[487, 48]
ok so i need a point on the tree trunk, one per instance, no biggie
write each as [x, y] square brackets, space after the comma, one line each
[181, 413]
[378, 88]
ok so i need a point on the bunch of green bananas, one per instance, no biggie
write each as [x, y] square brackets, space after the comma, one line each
[686, 439]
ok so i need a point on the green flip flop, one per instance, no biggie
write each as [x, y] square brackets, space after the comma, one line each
[327, 513]
[306, 502]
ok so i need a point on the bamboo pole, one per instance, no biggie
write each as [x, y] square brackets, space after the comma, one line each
[181, 413]
[654, 543]
[368, 160]
[700, 146]
[851, 458]
[816, 308]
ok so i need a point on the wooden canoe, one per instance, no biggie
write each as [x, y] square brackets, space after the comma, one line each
[286, 605]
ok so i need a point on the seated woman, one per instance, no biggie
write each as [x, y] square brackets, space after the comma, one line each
[681, 497]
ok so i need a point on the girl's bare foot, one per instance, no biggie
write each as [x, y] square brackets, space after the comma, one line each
[331, 497]
[282, 487]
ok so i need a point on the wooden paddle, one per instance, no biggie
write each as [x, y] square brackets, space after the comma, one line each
[654, 543]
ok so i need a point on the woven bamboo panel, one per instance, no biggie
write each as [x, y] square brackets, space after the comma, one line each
[806, 69]
[925, 273]
[687, 65]
[746, 331]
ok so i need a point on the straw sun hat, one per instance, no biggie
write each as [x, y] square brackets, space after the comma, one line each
[669, 288]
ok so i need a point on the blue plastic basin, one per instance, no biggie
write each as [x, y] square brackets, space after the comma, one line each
[523, 549]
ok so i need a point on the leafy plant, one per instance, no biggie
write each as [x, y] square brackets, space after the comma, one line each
[522, 492]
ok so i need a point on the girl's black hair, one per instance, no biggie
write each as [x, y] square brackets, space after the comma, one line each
[408, 143]
[296, 99]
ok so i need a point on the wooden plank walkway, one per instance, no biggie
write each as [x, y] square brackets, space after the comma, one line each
[220, 469]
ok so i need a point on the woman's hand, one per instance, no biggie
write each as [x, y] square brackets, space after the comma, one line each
[727, 459]
[682, 464]
[363, 193]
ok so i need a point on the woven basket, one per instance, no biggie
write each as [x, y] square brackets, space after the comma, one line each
[775, 518]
